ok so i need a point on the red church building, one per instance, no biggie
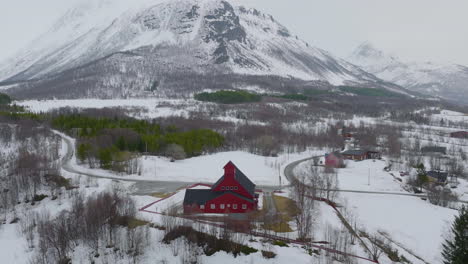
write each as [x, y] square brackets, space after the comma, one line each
[232, 193]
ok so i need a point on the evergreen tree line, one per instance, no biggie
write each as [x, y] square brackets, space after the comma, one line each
[455, 247]
[113, 140]
[4, 99]
[228, 97]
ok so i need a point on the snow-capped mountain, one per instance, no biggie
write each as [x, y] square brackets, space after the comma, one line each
[128, 45]
[448, 81]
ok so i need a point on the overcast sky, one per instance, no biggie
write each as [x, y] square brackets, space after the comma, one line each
[413, 29]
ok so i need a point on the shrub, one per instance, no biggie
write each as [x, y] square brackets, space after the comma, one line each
[130, 221]
[246, 250]
[210, 244]
[175, 152]
[39, 197]
[60, 181]
[280, 243]
[268, 254]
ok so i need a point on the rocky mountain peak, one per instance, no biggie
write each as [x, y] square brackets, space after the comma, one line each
[132, 44]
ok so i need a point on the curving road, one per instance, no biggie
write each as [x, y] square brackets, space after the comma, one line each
[144, 187]
[141, 187]
[289, 174]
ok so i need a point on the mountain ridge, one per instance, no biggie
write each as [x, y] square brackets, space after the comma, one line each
[442, 80]
[215, 36]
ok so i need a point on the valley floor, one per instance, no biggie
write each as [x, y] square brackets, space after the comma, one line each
[413, 226]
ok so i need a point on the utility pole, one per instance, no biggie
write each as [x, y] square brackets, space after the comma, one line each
[279, 176]
[368, 179]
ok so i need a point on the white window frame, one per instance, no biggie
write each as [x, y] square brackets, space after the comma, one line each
[213, 206]
[236, 188]
[221, 206]
[202, 206]
[244, 206]
[234, 206]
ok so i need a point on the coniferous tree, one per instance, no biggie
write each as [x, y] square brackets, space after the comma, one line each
[421, 176]
[455, 249]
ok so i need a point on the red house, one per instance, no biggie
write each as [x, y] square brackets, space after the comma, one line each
[232, 193]
[334, 160]
[355, 154]
[459, 134]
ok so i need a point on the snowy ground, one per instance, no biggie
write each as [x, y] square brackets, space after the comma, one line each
[367, 175]
[261, 170]
[448, 115]
[209, 168]
[462, 190]
[13, 245]
[139, 108]
[324, 216]
[147, 108]
[416, 224]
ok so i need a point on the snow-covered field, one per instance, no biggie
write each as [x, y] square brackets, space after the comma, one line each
[13, 245]
[448, 115]
[148, 108]
[367, 175]
[209, 168]
[416, 224]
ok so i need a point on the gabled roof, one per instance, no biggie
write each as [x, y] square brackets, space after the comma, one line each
[218, 182]
[201, 197]
[248, 185]
[434, 149]
[439, 175]
[336, 154]
[460, 132]
[240, 177]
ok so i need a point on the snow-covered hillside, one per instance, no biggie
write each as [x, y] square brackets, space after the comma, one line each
[143, 40]
[434, 79]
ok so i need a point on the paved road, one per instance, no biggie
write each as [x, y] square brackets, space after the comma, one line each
[144, 187]
[141, 187]
[289, 173]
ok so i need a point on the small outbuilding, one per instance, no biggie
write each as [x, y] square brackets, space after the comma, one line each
[360, 154]
[438, 177]
[434, 150]
[355, 154]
